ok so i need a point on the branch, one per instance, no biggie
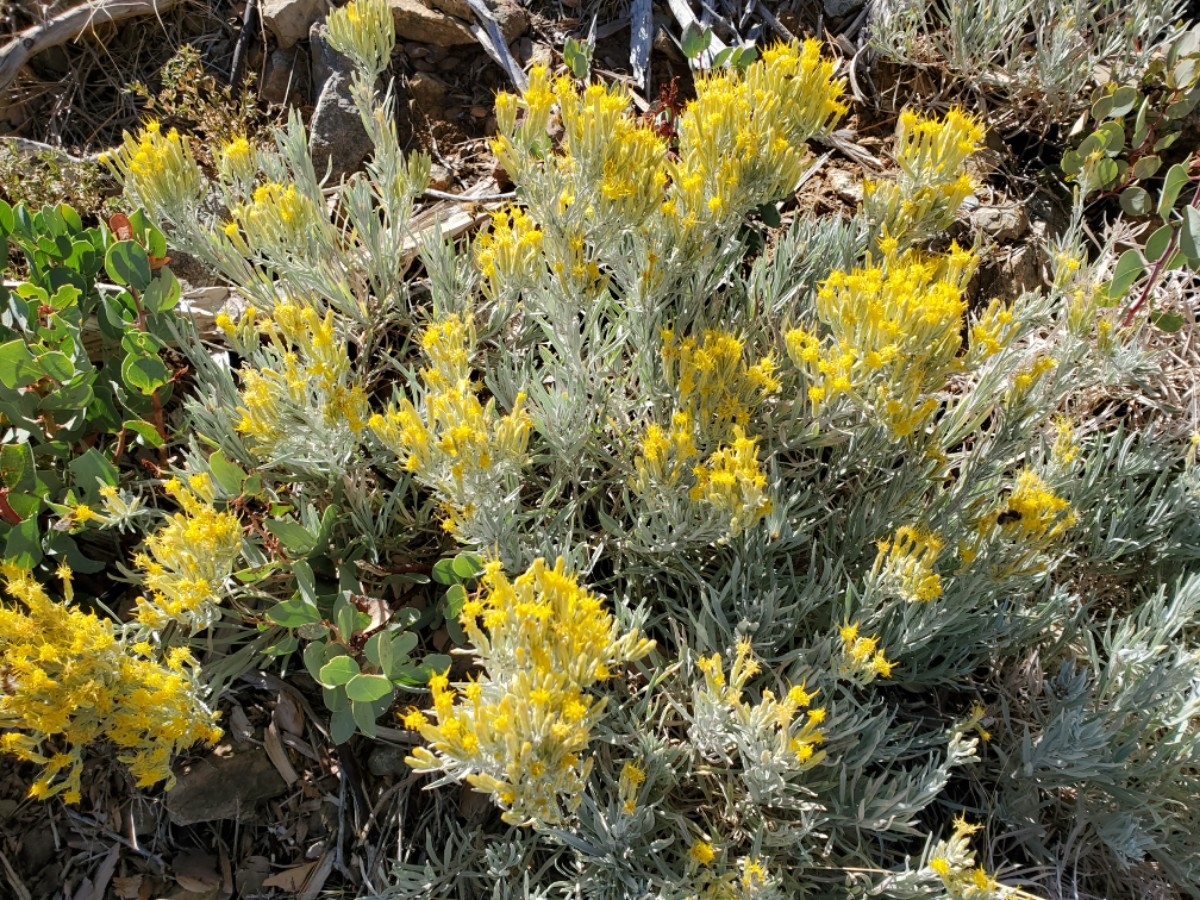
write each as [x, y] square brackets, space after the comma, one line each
[67, 27]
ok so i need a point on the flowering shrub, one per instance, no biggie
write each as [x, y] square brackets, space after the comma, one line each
[849, 520]
[71, 679]
[520, 732]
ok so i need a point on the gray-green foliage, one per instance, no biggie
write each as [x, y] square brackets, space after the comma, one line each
[1036, 56]
[1064, 548]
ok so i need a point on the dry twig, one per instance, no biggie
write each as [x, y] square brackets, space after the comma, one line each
[68, 26]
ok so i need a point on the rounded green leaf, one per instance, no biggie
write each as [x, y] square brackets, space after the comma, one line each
[1157, 245]
[1141, 128]
[294, 612]
[342, 725]
[1166, 141]
[1090, 144]
[466, 566]
[1189, 234]
[1123, 100]
[436, 663]
[1180, 108]
[456, 596]
[1166, 321]
[1136, 201]
[1102, 108]
[1107, 172]
[17, 366]
[57, 365]
[1129, 269]
[378, 650]
[1183, 74]
[145, 374]
[403, 644]
[365, 715]
[1114, 137]
[338, 670]
[1146, 166]
[1177, 176]
[126, 263]
[443, 572]
[145, 431]
[365, 688]
[695, 40]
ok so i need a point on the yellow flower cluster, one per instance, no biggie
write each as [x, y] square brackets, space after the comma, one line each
[1035, 514]
[953, 863]
[717, 388]
[187, 561]
[740, 144]
[629, 784]
[312, 373]
[773, 725]
[748, 881]
[717, 393]
[1027, 377]
[277, 215]
[893, 335]
[365, 32]
[905, 563]
[993, 330]
[931, 184]
[456, 444]
[511, 251]
[515, 142]
[732, 480]
[238, 160]
[70, 681]
[1065, 451]
[862, 660]
[157, 168]
[609, 162]
[741, 141]
[521, 731]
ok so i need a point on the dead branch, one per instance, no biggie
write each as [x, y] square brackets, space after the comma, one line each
[68, 26]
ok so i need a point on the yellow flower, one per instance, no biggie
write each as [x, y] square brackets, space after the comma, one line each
[82, 513]
[702, 852]
[520, 731]
[81, 683]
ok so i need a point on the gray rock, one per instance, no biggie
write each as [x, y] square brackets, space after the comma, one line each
[388, 759]
[224, 787]
[417, 22]
[290, 20]
[440, 178]
[283, 78]
[337, 136]
[835, 9]
[324, 60]
[1002, 222]
[509, 15]
[846, 186]
[428, 91]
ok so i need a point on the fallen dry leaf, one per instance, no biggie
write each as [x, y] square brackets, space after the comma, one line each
[288, 714]
[291, 879]
[196, 872]
[278, 755]
[127, 887]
